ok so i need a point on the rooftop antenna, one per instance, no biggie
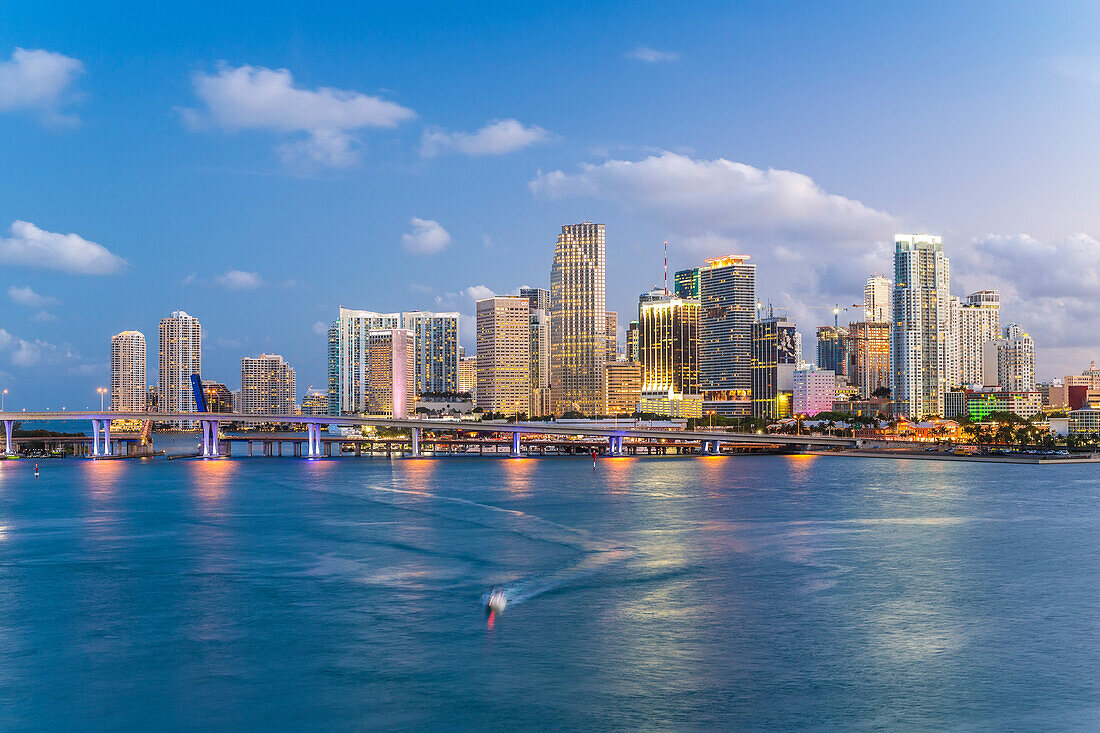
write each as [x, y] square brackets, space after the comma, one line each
[666, 267]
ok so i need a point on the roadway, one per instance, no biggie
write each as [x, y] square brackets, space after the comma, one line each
[522, 428]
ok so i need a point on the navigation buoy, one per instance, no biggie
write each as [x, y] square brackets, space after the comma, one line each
[36, 470]
[594, 454]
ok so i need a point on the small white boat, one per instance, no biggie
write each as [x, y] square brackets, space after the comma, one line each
[497, 601]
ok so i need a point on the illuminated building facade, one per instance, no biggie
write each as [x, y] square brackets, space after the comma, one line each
[623, 387]
[833, 349]
[686, 284]
[467, 375]
[870, 356]
[180, 352]
[814, 391]
[878, 300]
[391, 373]
[435, 350]
[219, 398]
[578, 320]
[727, 295]
[922, 339]
[773, 363]
[504, 355]
[349, 358]
[267, 385]
[128, 372]
[668, 338]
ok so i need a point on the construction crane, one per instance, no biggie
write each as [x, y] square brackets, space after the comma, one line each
[836, 311]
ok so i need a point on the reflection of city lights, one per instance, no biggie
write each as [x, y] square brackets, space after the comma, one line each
[213, 478]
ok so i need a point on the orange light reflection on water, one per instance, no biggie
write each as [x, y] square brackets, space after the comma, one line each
[102, 476]
[518, 473]
[212, 478]
[417, 473]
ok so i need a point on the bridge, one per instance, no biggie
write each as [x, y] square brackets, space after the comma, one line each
[708, 441]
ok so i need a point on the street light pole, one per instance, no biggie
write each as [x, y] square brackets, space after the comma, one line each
[4, 392]
[102, 391]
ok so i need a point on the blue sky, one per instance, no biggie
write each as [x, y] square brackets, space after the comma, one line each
[260, 164]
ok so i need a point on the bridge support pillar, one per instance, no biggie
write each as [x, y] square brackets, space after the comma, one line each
[107, 438]
[516, 452]
[415, 443]
[716, 446]
[95, 438]
[9, 425]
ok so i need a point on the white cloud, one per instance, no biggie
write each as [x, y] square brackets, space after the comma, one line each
[427, 237]
[26, 296]
[239, 280]
[320, 328]
[36, 352]
[478, 292]
[43, 317]
[496, 138]
[1052, 290]
[257, 98]
[5, 339]
[651, 55]
[38, 80]
[701, 198]
[36, 247]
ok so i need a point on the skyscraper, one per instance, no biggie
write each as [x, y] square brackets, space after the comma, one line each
[773, 365]
[612, 320]
[632, 341]
[923, 338]
[878, 300]
[540, 363]
[578, 320]
[504, 354]
[727, 291]
[267, 385]
[391, 376]
[833, 349]
[349, 362]
[128, 372]
[668, 350]
[1010, 360]
[180, 352]
[975, 322]
[623, 387]
[435, 350]
[467, 375]
[870, 357]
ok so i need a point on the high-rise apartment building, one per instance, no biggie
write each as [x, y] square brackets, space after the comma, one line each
[128, 372]
[540, 363]
[1010, 361]
[180, 356]
[611, 318]
[268, 385]
[922, 339]
[623, 387]
[773, 365]
[668, 351]
[834, 349]
[467, 375]
[504, 355]
[391, 373]
[349, 362]
[435, 350]
[878, 300]
[578, 320]
[727, 294]
[632, 341]
[975, 322]
[870, 356]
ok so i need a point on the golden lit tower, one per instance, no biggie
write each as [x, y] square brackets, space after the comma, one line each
[578, 320]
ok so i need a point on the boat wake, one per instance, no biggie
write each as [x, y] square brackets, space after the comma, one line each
[537, 584]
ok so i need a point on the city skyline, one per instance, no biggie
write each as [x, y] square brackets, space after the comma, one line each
[174, 198]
